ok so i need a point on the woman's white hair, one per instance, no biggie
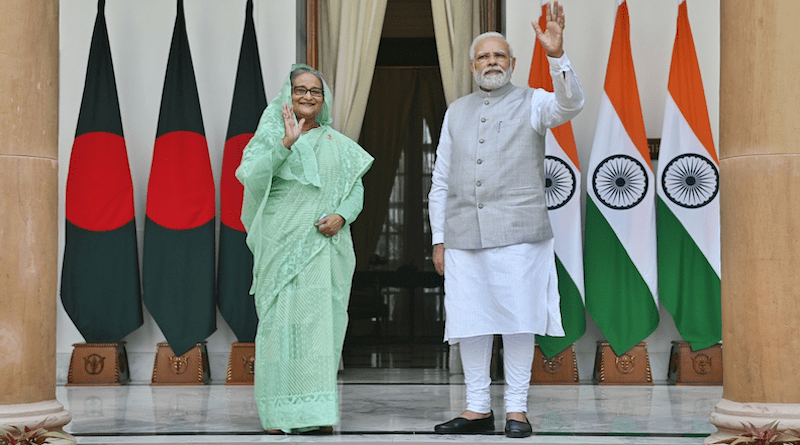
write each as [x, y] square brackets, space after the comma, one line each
[486, 35]
[302, 70]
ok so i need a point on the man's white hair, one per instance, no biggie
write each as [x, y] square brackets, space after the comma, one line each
[486, 35]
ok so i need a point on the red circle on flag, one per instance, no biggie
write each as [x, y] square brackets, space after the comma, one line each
[180, 192]
[231, 191]
[99, 194]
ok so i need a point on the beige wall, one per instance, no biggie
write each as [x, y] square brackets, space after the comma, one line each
[139, 34]
[140, 37]
[587, 41]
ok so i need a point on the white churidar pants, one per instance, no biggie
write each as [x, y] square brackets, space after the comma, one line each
[512, 291]
[476, 355]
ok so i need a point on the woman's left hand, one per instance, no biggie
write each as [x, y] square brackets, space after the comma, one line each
[330, 225]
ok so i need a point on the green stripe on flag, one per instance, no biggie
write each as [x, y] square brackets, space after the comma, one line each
[617, 297]
[100, 282]
[687, 284]
[235, 275]
[178, 282]
[573, 315]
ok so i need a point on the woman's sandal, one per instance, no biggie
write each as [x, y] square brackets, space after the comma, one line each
[323, 430]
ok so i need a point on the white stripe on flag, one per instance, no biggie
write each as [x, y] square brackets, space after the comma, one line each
[678, 138]
[635, 227]
[566, 221]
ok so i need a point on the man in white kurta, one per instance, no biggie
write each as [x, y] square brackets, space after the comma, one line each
[490, 229]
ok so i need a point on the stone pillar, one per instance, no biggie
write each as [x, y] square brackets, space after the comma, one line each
[29, 213]
[760, 216]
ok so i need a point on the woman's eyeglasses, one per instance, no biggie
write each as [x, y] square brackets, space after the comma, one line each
[301, 91]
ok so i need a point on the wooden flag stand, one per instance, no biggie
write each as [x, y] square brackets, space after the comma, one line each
[241, 364]
[189, 369]
[701, 367]
[630, 368]
[98, 364]
[562, 369]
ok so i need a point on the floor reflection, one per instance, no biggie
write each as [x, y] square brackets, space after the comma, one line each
[392, 404]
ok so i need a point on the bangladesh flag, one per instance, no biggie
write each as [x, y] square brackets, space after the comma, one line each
[688, 201]
[235, 269]
[562, 180]
[178, 265]
[100, 276]
[620, 262]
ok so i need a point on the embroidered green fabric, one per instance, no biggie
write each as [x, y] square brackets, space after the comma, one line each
[301, 278]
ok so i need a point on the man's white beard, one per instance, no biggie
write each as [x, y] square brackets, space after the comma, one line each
[495, 80]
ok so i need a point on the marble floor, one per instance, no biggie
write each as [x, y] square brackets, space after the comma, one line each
[382, 405]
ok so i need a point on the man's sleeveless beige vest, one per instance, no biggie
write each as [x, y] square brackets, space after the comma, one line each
[496, 183]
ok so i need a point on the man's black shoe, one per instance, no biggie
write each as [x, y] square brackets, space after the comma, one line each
[460, 425]
[515, 428]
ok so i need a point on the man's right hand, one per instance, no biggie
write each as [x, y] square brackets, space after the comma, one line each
[551, 37]
[438, 258]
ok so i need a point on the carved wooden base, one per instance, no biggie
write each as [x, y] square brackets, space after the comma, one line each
[101, 364]
[189, 369]
[701, 367]
[562, 369]
[241, 364]
[630, 368]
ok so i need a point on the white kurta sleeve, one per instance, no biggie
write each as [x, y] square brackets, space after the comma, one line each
[550, 110]
[437, 197]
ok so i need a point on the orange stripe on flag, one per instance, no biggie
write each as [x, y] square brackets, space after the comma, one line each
[566, 140]
[686, 86]
[621, 86]
[539, 77]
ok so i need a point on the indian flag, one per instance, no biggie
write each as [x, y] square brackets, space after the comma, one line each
[562, 181]
[688, 201]
[620, 261]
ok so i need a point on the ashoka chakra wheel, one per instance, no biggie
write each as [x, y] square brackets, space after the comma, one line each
[620, 182]
[559, 182]
[690, 180]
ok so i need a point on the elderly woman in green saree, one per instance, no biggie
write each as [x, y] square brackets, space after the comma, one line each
[302, 190]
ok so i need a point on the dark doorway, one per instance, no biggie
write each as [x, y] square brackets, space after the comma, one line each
[397, 303]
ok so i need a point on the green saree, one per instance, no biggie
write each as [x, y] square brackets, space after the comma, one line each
[301, 278]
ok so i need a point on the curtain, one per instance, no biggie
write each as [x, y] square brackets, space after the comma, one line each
[455, 24]
[399, 99]
[350, 31]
